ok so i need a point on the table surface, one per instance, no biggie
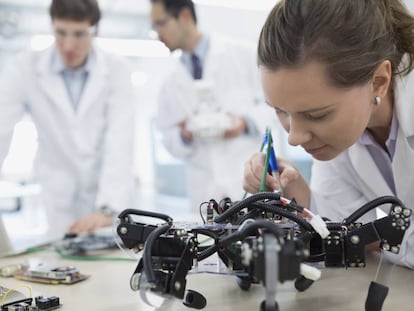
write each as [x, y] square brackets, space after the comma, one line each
[108, 288]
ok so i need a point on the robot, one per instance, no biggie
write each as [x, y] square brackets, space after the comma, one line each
[264, 238]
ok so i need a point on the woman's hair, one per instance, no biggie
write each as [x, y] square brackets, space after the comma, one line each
[351, 37]
[76, 10]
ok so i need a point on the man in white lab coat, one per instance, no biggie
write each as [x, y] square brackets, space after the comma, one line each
[228, 68]
[80, 100]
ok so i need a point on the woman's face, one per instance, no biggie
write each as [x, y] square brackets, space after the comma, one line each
[323, 119]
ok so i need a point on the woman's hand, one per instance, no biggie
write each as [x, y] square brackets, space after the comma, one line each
[291, 181]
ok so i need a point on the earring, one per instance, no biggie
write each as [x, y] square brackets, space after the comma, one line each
[377, 100]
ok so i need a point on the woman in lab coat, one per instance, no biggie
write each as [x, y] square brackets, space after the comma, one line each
[339, 76]
[84, 156]
[230, 76]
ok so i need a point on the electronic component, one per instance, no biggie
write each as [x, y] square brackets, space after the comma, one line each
[42, 270]
[264, 238]
[50, 274]
[41, 304]
[207, 121]
[86, 244]
[10, 270]
[12, 299]
[46, 303]
[19, 306]
[209, 125]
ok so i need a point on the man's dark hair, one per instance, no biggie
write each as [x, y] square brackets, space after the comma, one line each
[76, 10]
[174, 7]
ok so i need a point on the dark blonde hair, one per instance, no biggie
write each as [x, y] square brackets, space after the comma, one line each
[351, 37]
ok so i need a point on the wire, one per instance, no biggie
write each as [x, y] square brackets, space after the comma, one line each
[285, 213]
[210, 250]
[201, 213]
[245, 203]
[125, 214]
[245, 222]
[240, 234]
[370, 206]
[253, 214]
[3, 300]
[220, 205]
[147, 255]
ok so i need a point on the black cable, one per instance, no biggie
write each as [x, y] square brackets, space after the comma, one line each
[248, 229]
[224, 204]
[285, 213]
[126, 213]
[237, 207]
[215, 205]
[306, 236]
[370, 206]
[207, 252]
[240, 234]
[147, 253]
[251, 214]
[201, 213]
[206, 232]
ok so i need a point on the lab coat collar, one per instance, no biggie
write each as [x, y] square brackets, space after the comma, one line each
[97, 80]
[361, 159]
[52, 82]
[49, 61]
[367, 170]
[200, 50]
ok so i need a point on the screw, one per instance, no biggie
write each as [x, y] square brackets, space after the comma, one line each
[400, 222]
[123, 230]
[395, 249]
[406, 212]
[354, 239]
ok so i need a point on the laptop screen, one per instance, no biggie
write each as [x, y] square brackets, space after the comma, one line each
[5, 244]
[14, 240]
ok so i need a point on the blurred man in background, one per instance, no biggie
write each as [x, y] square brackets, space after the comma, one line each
[210, 104]
[80, 100]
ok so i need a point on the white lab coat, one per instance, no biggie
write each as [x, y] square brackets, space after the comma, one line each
[342, 185]
[84, 158]
[215, 168]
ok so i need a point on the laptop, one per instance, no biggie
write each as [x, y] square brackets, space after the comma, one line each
[13, 243]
